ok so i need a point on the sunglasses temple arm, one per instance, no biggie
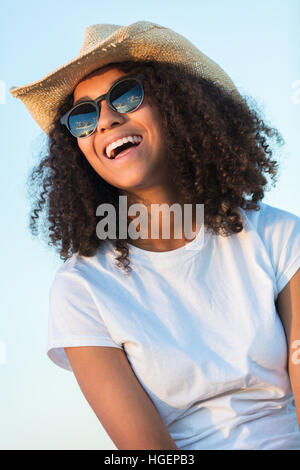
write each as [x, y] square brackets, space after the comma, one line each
[63, 120]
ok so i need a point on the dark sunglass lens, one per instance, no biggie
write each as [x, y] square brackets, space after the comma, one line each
[127, 96]
[83, 120]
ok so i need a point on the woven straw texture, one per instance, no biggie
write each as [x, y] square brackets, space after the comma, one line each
[104, 44]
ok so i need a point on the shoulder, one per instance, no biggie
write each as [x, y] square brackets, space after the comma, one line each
[270, 221]
[83, 271]
[79, 265]
[278, 233]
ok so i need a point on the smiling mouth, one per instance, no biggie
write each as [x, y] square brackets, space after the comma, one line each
[119, 151]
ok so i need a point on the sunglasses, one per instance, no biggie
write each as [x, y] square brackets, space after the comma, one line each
[125, 96]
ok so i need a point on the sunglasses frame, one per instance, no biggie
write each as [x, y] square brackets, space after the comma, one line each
[96, 103]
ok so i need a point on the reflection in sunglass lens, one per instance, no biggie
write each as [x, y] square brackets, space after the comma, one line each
[83, 120]
[126, 96]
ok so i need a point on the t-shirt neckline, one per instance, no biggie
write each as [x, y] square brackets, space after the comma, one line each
[190, 249]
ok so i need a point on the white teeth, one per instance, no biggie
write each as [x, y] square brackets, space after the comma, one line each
[118, 143]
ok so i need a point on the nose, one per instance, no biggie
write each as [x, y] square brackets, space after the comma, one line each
[108, 118]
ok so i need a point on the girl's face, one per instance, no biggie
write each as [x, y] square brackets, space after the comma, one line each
[145, 165]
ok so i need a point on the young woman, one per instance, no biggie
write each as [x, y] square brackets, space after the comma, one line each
[176, 343]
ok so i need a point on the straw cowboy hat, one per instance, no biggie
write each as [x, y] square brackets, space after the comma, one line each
[108, 43]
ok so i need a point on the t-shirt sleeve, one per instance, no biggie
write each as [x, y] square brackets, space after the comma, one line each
[281, 232]
[74, 319]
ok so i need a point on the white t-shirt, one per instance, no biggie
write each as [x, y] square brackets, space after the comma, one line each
[199, 327]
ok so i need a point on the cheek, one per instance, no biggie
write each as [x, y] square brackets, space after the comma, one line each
[86, 147]
[153, 123]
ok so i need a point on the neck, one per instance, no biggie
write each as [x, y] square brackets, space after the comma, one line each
[159, 195]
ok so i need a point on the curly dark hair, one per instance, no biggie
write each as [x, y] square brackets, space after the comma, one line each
[219, 150]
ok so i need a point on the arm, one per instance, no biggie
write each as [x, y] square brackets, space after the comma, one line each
[118, 399]
[288, 307]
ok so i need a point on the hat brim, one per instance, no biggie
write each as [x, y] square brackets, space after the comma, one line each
[139, 41]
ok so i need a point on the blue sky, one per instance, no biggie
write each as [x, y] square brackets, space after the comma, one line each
[256, 42]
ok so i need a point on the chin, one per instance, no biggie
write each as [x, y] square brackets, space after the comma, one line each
[132, 181]
[131, 185]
